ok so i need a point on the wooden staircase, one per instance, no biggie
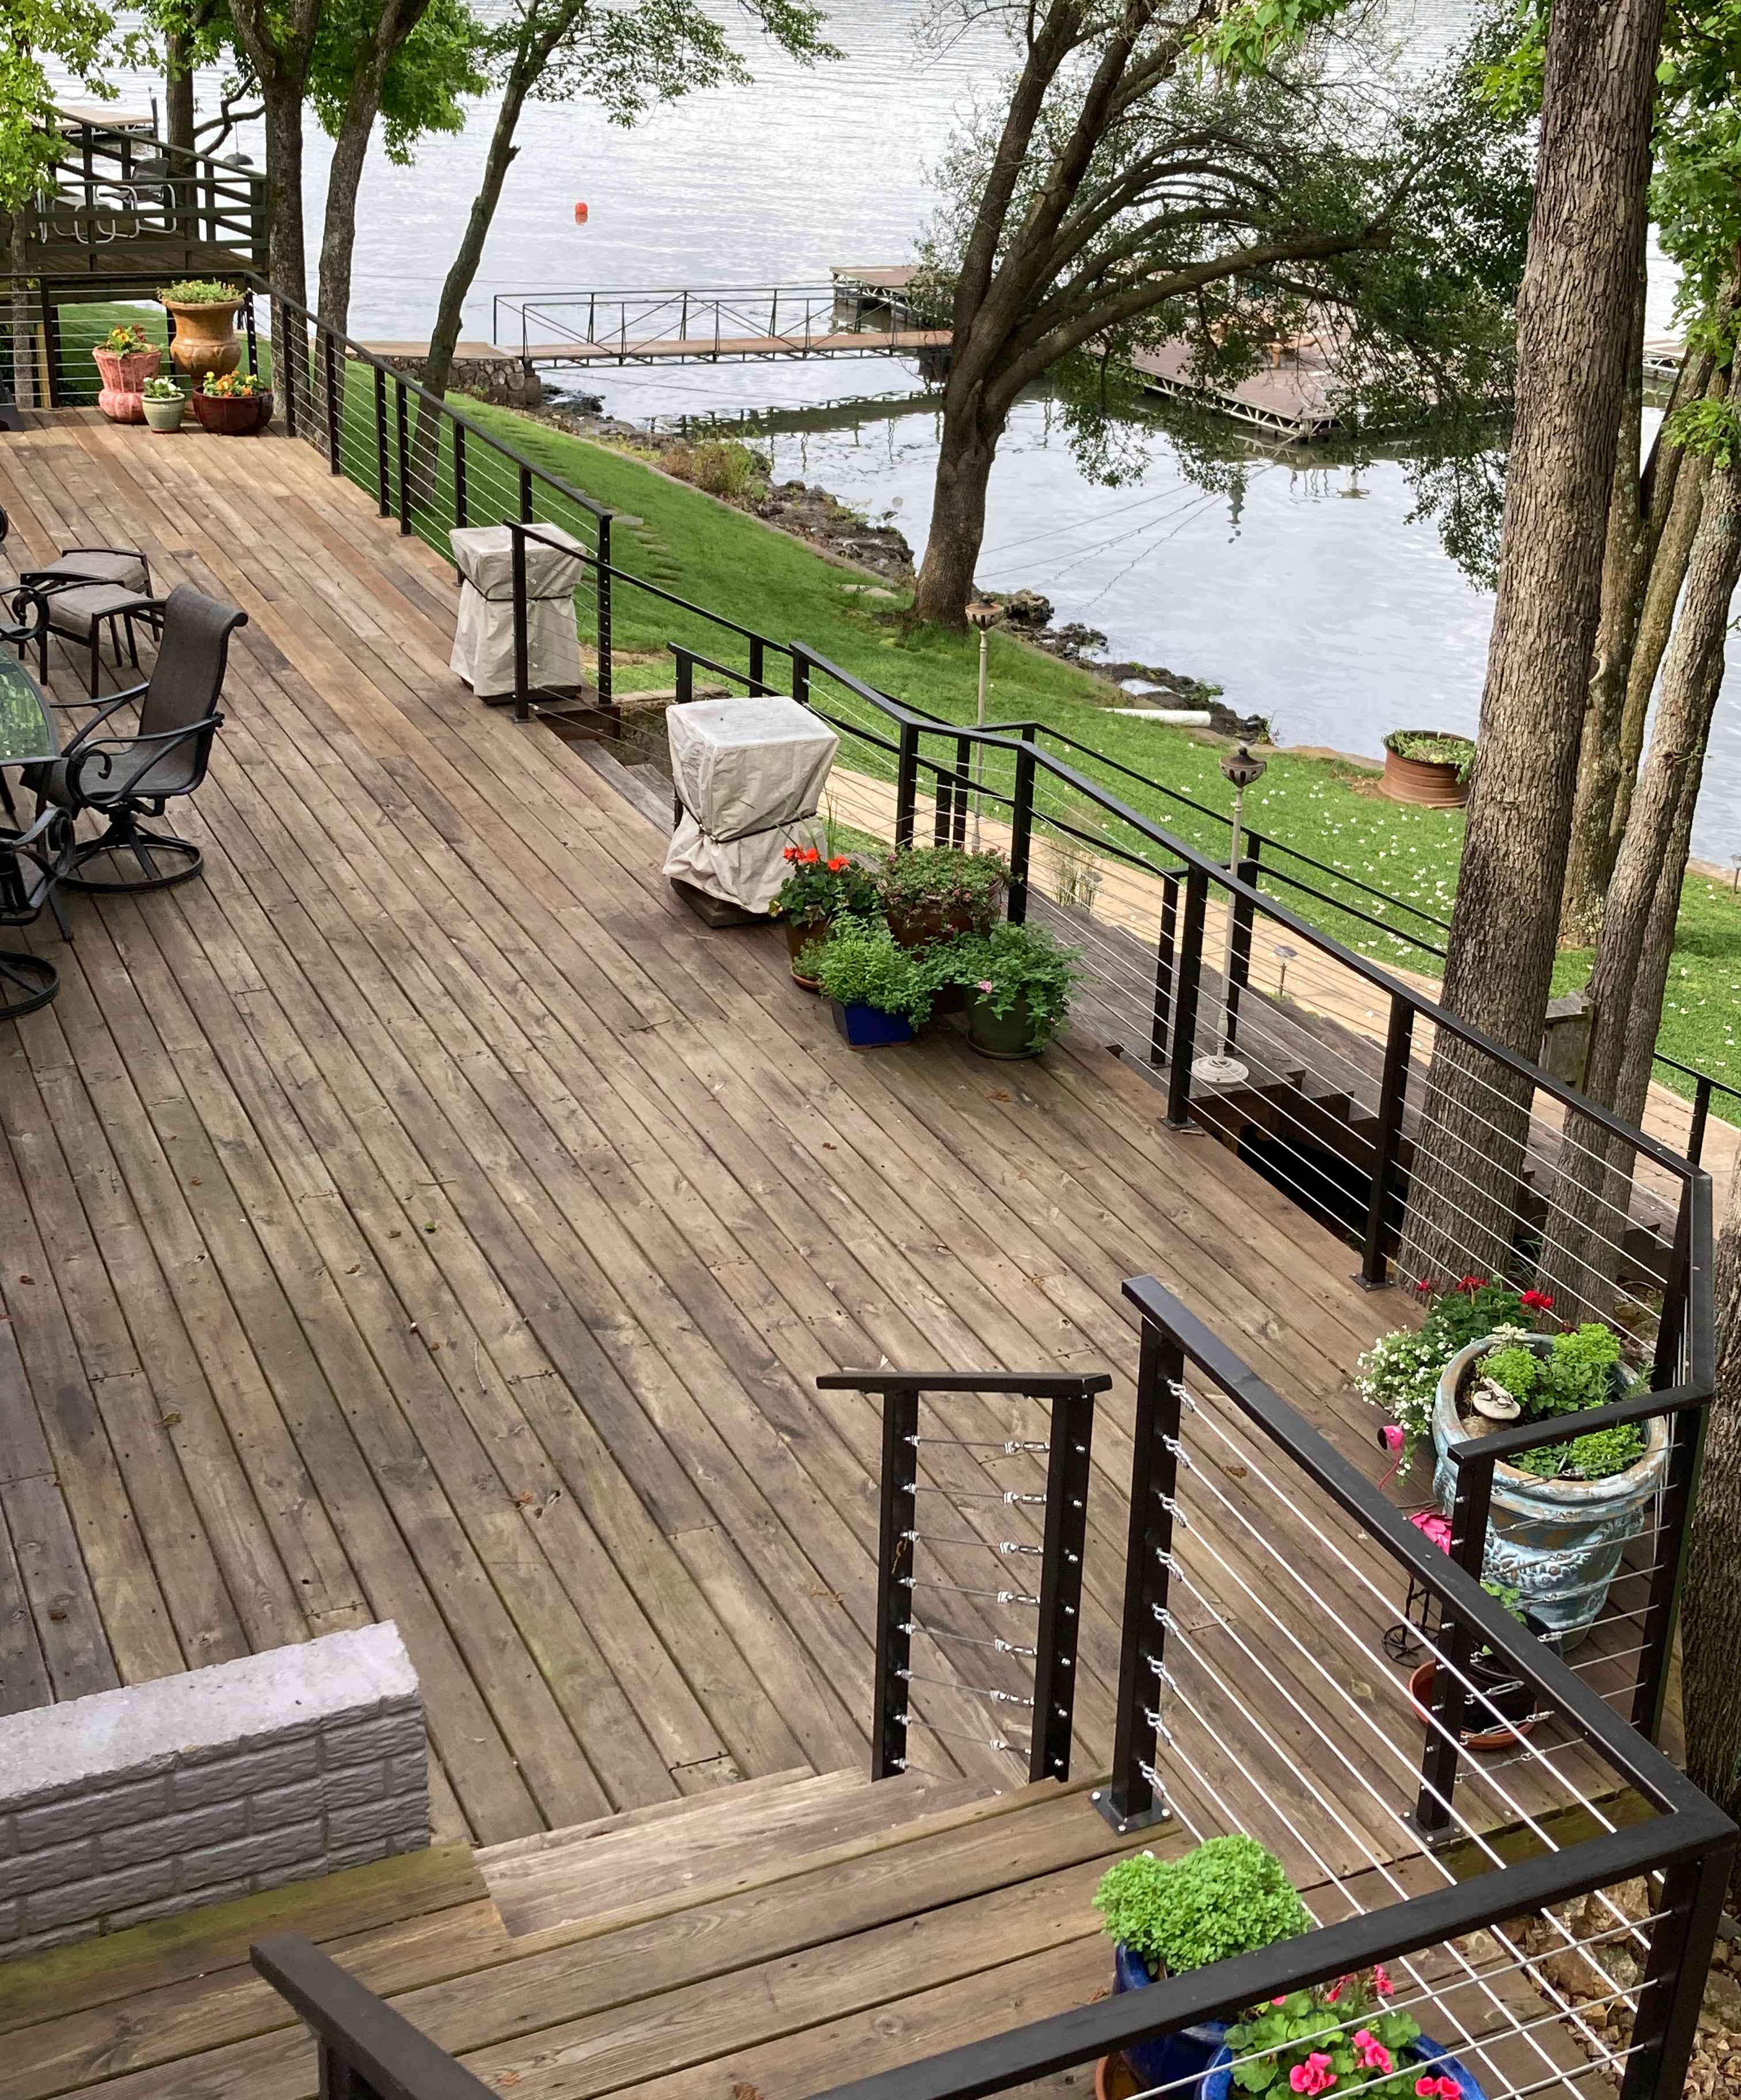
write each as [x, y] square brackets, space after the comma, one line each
[784, 1934]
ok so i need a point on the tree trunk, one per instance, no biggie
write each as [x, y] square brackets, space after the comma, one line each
[1580, 273]
[456, 287]
[350, 154]
[286, 245]
[1710, 1609]
[1655, 624]
[952, 552]
[1632, 957]
[178, 92]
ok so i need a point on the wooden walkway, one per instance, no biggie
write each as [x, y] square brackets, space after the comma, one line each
[423, 1217]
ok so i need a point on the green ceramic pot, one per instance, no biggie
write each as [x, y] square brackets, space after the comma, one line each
[999, 1035]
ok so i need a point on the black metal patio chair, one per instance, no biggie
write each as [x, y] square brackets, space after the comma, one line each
[83, 591]
[125, 779]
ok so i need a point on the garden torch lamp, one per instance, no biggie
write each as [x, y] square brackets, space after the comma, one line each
[984, 615]
[1241, 770]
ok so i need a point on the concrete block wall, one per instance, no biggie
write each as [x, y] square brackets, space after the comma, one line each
[160, 1798]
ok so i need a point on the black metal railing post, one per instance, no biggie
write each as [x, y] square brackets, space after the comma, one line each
[1672, 1997]
[801, 677]
[1161, 1018]
[1671, 1325]
[1444, 1740]
[905, 785]
[1695, 1135]
[1239, 953]
[251, 328]
[1021, 827]
[757, 663]
[330, 369]
[402, 454]
[461, 493]
[900, 1475]
[1187, 980]
[943, 790]
[383, 484]
[525, 480]
[1071, 1438]
[1387, 1145]
[606, 677]
[1135, 1797]
[522, 636]
[963, 784]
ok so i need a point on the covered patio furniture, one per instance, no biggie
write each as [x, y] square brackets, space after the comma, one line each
[483, 641]
[126, 778]
[750, 775]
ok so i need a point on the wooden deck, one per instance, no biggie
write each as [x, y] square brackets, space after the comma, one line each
[423, 1217]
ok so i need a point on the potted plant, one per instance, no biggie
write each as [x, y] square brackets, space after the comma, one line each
[1018, 981]
[1166, 1916]
[881, 992]
[1500, 1707]
[1430, 766]
[930, 893]
[164, 404]
[126, 358]
[1340, 2038]
[233, 405]
[205, 338]
[1562, 1515]
[815, 893]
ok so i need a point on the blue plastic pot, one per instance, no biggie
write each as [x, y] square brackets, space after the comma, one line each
[1217, 2083]
[1173, 2058]
[869, 1027]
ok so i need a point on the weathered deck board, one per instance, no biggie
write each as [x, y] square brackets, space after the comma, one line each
[426, 1218]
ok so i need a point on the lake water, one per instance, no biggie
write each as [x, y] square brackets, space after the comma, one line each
[1312, 597]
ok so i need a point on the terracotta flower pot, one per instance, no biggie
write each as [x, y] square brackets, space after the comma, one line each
[206, 339]
[233, 414]
[1429, 783]
[124, 375]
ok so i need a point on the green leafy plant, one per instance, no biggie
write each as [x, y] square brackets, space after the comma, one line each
[1580, 1371]
[722, 467]
[1011, 964]
[1518, 1368]
[126, 340]
[1337, 2036]
[1434, 746]
[201, 292]
[1400, 1372]
[817, 890]
[861, 965]
[1228, 1896]
[1576, 1372]
[944, 880]
[161, 390]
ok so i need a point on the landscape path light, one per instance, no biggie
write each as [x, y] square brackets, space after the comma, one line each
[984, 615]
[1242, 769]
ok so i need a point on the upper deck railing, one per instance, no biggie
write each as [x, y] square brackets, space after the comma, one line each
[112, 190]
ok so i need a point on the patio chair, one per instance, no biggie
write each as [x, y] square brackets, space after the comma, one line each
[84, 590]
[124, 778]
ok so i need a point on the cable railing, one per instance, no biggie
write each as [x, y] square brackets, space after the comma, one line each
[1435, 1831]
[693, 322]
[106, 187]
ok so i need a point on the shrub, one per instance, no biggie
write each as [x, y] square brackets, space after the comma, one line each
[1014, 963]
[1228, 1896]
[201, 292]
[860, 965]
[722, 467]
[161, 389]
[947, 880]
[1516, 1368]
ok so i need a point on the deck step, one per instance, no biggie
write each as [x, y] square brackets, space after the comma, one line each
[637, 1863]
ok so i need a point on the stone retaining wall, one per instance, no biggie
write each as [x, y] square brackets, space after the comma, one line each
[160, 1798]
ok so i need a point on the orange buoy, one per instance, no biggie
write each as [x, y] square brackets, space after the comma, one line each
[580, 214]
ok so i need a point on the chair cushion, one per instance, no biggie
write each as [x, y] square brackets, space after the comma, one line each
[73, 613]
[116, 567]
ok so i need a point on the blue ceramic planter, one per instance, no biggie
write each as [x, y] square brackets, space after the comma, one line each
[1217, 2083]
[1174, 2058]
[869, 1027]
[1557, 1543]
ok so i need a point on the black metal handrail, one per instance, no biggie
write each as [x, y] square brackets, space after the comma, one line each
[1070, 1398]
[366, 2050]
[1688, 1839]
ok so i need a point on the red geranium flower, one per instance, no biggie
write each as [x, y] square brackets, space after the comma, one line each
[1538, 1301]
[1473, 1283]
[791, 853]
[841, 863]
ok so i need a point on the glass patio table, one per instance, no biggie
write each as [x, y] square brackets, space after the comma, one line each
[34, 855]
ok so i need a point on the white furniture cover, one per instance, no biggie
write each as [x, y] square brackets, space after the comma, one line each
[749, 774]
[484, 642]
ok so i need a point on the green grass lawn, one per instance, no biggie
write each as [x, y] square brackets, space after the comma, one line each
[683, 541]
